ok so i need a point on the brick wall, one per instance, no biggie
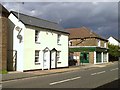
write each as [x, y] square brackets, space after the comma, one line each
[0, 43]
[3, 44]
[86, 42]
[91, 57]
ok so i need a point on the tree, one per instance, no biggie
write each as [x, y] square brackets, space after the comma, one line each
[114, 52]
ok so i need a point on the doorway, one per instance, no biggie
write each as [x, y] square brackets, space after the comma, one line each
[84, 57]
[53, 59]
[11, 60]
[46, 59]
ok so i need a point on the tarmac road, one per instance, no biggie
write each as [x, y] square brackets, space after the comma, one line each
[89, 78]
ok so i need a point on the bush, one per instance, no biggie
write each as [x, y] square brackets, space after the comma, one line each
[114, 52]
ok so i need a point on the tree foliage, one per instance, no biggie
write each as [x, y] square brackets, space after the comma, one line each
[114, 50]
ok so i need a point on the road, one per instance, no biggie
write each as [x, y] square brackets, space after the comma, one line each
[91, 78]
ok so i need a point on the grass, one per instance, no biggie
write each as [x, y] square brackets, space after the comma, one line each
[3, 72]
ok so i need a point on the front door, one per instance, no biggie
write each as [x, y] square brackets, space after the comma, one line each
[84, 57]
[46, 59]
[53, 59]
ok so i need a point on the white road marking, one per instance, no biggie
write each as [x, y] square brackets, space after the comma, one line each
[101, 72]
[114, 69]
[98, 73]
[64, 80]
[93, 73]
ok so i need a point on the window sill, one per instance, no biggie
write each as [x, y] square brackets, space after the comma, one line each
[59, 62]
[59, 44]
[37, 63]
[37, 42]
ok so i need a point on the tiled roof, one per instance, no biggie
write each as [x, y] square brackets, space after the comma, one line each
[33, 21]
[83, 32]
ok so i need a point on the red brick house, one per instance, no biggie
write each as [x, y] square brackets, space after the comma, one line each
[3, 37]
[87, 47]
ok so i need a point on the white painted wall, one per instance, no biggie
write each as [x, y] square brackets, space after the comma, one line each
[47, 39]
[16, 45]
[26, 49]
[94, 57]
[111, 40]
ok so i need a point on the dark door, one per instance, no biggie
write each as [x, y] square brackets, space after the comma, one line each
[84, 57]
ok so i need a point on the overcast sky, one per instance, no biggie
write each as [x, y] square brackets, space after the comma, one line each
[100, 17]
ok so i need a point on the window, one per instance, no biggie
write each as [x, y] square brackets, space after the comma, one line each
[105, 44]
[98, 57]
[70, 43]
[58, 56]
[58, 39]
[37, 56]
[36, 35]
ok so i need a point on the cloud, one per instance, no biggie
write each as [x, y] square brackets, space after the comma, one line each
[101, 17]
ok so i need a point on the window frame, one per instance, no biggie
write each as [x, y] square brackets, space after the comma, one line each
[37, 37]
[58, 39]
[37, 57]
[58, 56]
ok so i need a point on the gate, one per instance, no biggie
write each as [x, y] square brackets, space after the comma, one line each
[11, 60]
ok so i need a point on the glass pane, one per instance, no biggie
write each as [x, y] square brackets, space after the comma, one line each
[36, 53]
[98, 57]
[36, 59]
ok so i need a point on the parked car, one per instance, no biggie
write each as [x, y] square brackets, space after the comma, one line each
[72, 62]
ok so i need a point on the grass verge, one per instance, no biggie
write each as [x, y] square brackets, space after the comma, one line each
[3, 72]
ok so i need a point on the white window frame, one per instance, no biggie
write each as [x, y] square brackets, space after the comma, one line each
[70, 43]
[37, 36]
[105, 44]
[58, 56]
[99, 43]
[37, 57]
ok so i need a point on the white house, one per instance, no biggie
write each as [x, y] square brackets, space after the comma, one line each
[35, 43]
[113, 41]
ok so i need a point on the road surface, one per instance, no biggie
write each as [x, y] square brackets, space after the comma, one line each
[90, 78]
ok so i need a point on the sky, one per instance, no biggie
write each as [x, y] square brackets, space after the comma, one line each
[100, 17]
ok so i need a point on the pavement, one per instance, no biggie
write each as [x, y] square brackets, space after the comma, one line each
[21, 75]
